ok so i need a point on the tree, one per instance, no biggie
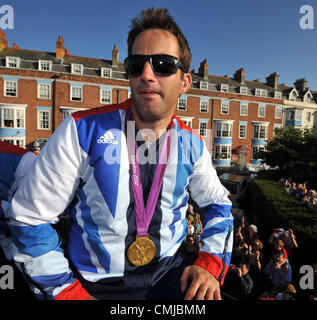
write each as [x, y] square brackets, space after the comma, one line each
[294, 152]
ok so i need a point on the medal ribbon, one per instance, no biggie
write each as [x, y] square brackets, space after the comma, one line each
[143, 215]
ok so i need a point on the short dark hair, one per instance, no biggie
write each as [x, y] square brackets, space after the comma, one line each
[159, 18]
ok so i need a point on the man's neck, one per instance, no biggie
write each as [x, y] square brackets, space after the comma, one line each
[158, 127]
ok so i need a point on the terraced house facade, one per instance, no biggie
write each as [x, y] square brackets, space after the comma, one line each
[236, 117]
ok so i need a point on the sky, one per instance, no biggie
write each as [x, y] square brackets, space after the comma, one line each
[262, 36]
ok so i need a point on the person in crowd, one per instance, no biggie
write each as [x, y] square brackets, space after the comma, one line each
[289, 242]
[279, 271]
[239, 283]
[288, 293]
[198, 231]
[129, 214]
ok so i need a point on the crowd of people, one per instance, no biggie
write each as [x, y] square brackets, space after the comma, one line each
[300, 192]
[259, 269]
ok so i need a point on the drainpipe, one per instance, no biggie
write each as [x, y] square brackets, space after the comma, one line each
[54, 102]
[118, 95]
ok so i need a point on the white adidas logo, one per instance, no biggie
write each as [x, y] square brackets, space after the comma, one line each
[108, 137]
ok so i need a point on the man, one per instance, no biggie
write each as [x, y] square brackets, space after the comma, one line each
[128, 211]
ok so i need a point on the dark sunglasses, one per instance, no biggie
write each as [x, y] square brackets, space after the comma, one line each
[162, 64]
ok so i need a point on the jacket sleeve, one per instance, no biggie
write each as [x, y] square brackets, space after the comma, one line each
[217, 237]
[43, 194]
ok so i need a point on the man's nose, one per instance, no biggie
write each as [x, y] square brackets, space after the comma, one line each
[147, 73]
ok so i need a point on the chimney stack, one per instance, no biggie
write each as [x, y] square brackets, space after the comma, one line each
[115, 56]
[301, 84]
[60, 48]
[3, 40]
[203, 69]
[272, 80]
[240, 76]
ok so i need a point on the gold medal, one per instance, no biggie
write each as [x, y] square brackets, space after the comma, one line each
[141, 251]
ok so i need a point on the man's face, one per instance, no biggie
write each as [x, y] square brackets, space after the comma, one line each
[155, 97]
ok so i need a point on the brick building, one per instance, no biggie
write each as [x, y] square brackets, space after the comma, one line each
[39, 89]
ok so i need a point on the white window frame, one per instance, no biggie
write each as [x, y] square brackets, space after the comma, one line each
[203, 127]
[261, 111]
[258, 149]
[39, 86]
[204, 106]
[221, 154]
[224, 87]
[222, 109]
[16, 124]
[106, 72]
[6, 84]
[72, 93]
[40, 119]
[261, 92]
[307, 97]
[243, 125]
[278, 112]
[182, 104]
[277, 95]
[187, 120]
[261, 133]
[105, 93]
[293, 95]
[243, 90]
[203, 85]
[308, 116]
[13, 60]
[77, 68]
[45, 65]
[223, 129]
[20, 141]
[244, 106]
[298, 115]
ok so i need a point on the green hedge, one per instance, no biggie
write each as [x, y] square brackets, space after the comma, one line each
[272, 207]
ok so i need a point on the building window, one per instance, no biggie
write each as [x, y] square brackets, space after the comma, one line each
[242, 131]
[307, 98]
[243, 109]
[204, 106]
[261, 111]
[10, 88]
[182, 104]
[106, 72]
[203, 85]
[224, 107]
[278, 95]
[203, 128]
[308, 116]
[223, 129]
[255, 152]
[243, 90]
[44, 91]
[12, 62]
[224, 88]
[260, 131]
[45, 65]
[105, 96]
[222, 152]
[15, 141]
[12, 118]
[260, 92]
[76, 93]
[43, 117]
[293, 96]
[77, 68]
[278, 112]
[187, 121]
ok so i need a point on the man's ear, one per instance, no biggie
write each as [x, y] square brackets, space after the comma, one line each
[187, 81]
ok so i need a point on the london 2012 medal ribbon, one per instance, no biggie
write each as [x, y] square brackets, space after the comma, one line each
[142, 250]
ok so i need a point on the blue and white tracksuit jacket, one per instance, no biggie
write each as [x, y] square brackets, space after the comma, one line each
[14, 163]
[84, 167]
